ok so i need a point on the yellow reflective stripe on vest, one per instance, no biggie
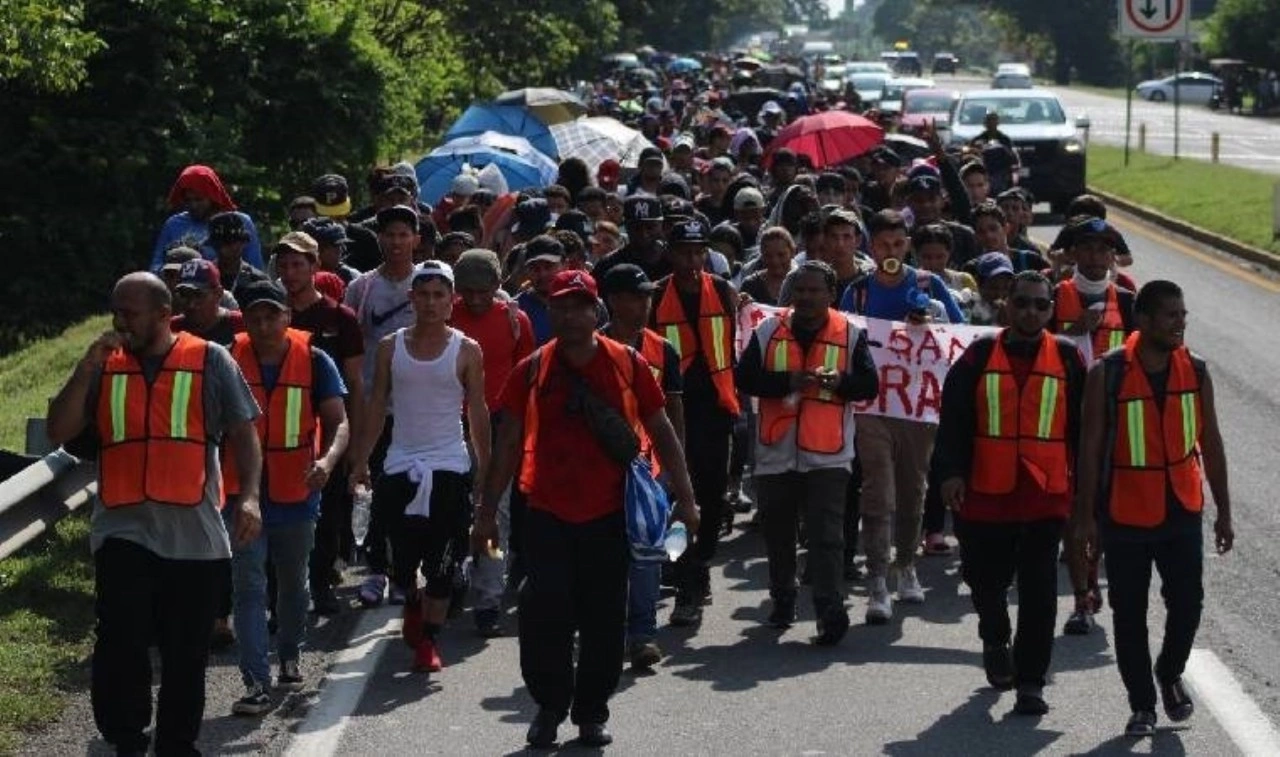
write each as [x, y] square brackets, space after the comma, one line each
[830, 361]
[1136, 417]
[119, 392]
[178, 404]
[292, 416]
[993, 404]
[717, 350]
[672, 332]
[1048, 400]
[1116, 340]
[1189, 430]
[780, 351]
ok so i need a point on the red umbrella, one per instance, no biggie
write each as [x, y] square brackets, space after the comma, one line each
[828, 138]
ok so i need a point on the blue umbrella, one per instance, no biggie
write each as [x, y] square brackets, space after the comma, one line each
[504, 119]
[683, 66]
[521, 164]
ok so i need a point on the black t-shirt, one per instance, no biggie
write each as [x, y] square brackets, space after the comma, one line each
[334, 329]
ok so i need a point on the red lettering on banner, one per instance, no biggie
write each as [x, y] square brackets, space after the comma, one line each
[930, 396]
[955, 350]
[900, 344]
[929, 344]
[895, 378]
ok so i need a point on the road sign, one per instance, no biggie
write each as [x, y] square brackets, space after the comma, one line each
[1155, 19]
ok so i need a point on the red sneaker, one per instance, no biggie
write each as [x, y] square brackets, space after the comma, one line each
[427, 658]
[411, 625]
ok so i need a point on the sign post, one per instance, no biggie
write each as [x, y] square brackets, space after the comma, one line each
[1128, 100]
[1156, 21]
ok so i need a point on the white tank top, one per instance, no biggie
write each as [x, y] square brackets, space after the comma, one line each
[427, 405]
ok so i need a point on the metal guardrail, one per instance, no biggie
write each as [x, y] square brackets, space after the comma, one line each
[41, 493]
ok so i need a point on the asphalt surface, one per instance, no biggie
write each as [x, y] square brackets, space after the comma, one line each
[1246, 141]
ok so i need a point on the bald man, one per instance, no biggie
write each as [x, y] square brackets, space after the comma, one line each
[157, 402]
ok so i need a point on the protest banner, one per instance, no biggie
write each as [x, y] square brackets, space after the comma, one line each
[912, 360]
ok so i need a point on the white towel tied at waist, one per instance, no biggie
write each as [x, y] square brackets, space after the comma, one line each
[420, 473]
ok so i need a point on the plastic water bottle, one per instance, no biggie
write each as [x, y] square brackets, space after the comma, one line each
[361, 502]
[676, 542]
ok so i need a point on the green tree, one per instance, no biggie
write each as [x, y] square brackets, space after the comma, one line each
[43, 45]
[1246, 29]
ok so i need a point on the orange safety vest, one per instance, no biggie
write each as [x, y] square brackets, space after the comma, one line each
[653, 350]
[152, 433]
[1155, 447]
[287, 425]
[1021, 428]
[820, 413]
[624, 362]
[1069, 310]
[714, 336]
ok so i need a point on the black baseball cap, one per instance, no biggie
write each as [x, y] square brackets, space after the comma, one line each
[692, 231]
[533, 216]
[575, 221]
[401, 213]
[260, 292]
[650, 153]
[642, 208]
[333, 197]
[326, 231]
[626, 278]
[227, 227]
[1081, 228]
[544, 247]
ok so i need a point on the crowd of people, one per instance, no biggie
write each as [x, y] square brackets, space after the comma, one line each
[533, 385]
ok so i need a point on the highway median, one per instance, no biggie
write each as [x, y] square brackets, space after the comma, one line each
[1219, 205]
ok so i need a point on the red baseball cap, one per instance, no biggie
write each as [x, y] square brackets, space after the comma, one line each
[609, 169]
[574, 282]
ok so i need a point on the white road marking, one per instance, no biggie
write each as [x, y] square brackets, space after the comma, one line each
[1239, 715]
[345, 682]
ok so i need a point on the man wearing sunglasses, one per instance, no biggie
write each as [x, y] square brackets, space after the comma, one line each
[1004, 451]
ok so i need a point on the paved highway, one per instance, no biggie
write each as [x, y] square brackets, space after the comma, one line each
[1245, 140]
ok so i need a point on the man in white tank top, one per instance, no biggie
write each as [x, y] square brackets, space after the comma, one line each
[435, 373]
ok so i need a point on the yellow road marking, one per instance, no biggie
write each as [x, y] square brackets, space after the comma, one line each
[1171, 242]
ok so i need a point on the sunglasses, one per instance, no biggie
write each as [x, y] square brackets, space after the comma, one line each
[1041, 303]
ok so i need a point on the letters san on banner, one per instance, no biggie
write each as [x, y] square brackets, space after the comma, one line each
[913, 360]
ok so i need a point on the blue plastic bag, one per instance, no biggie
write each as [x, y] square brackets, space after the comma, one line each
[647, 509]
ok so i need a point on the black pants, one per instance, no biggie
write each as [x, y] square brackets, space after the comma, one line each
[1180, 561]
[141, 599]
[575, 580]
[707, 439]
[383, 519]
[432, 544]
[935, 513]
[334, 524]
[852, 511]
[992, 553]
[820, 495]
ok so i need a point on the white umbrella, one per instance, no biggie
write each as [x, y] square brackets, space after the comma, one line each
[597, 139]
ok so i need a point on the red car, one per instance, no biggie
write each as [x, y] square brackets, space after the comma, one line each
[920, 106]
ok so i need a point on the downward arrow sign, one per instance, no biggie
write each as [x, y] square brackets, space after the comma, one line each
[1148, 10]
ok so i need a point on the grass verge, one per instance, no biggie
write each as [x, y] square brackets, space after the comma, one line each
[31, 376]
[46, 619]
[1234, 202]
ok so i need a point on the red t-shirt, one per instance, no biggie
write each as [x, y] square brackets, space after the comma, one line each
[502, 350]
[574, 479]
[1027, 502]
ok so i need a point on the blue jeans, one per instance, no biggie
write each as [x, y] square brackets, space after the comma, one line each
[290, 548]
[644, 583]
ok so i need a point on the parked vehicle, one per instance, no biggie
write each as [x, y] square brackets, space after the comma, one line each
[1051, 154]
[921, 106]
[1010, 80]
[1193, 88]
[945, 63]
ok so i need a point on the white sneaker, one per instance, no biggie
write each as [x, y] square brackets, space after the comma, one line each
[909, 589]
[879, 603]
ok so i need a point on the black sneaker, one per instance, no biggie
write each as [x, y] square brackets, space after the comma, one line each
[1030, 701]
[290, 678]
[489, 623]
[687, 612]
[1141, 724]
[1080, 623]
[784, 612]
[852, 572]
[644, 655]
[832, 627]
[1177, 702]
[997, 661]
[542, 731]
[255, 701]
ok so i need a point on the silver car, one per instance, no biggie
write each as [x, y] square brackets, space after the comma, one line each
[1194, 88]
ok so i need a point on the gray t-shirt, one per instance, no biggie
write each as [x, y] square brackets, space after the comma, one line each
[382, 307]
[184, 533]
